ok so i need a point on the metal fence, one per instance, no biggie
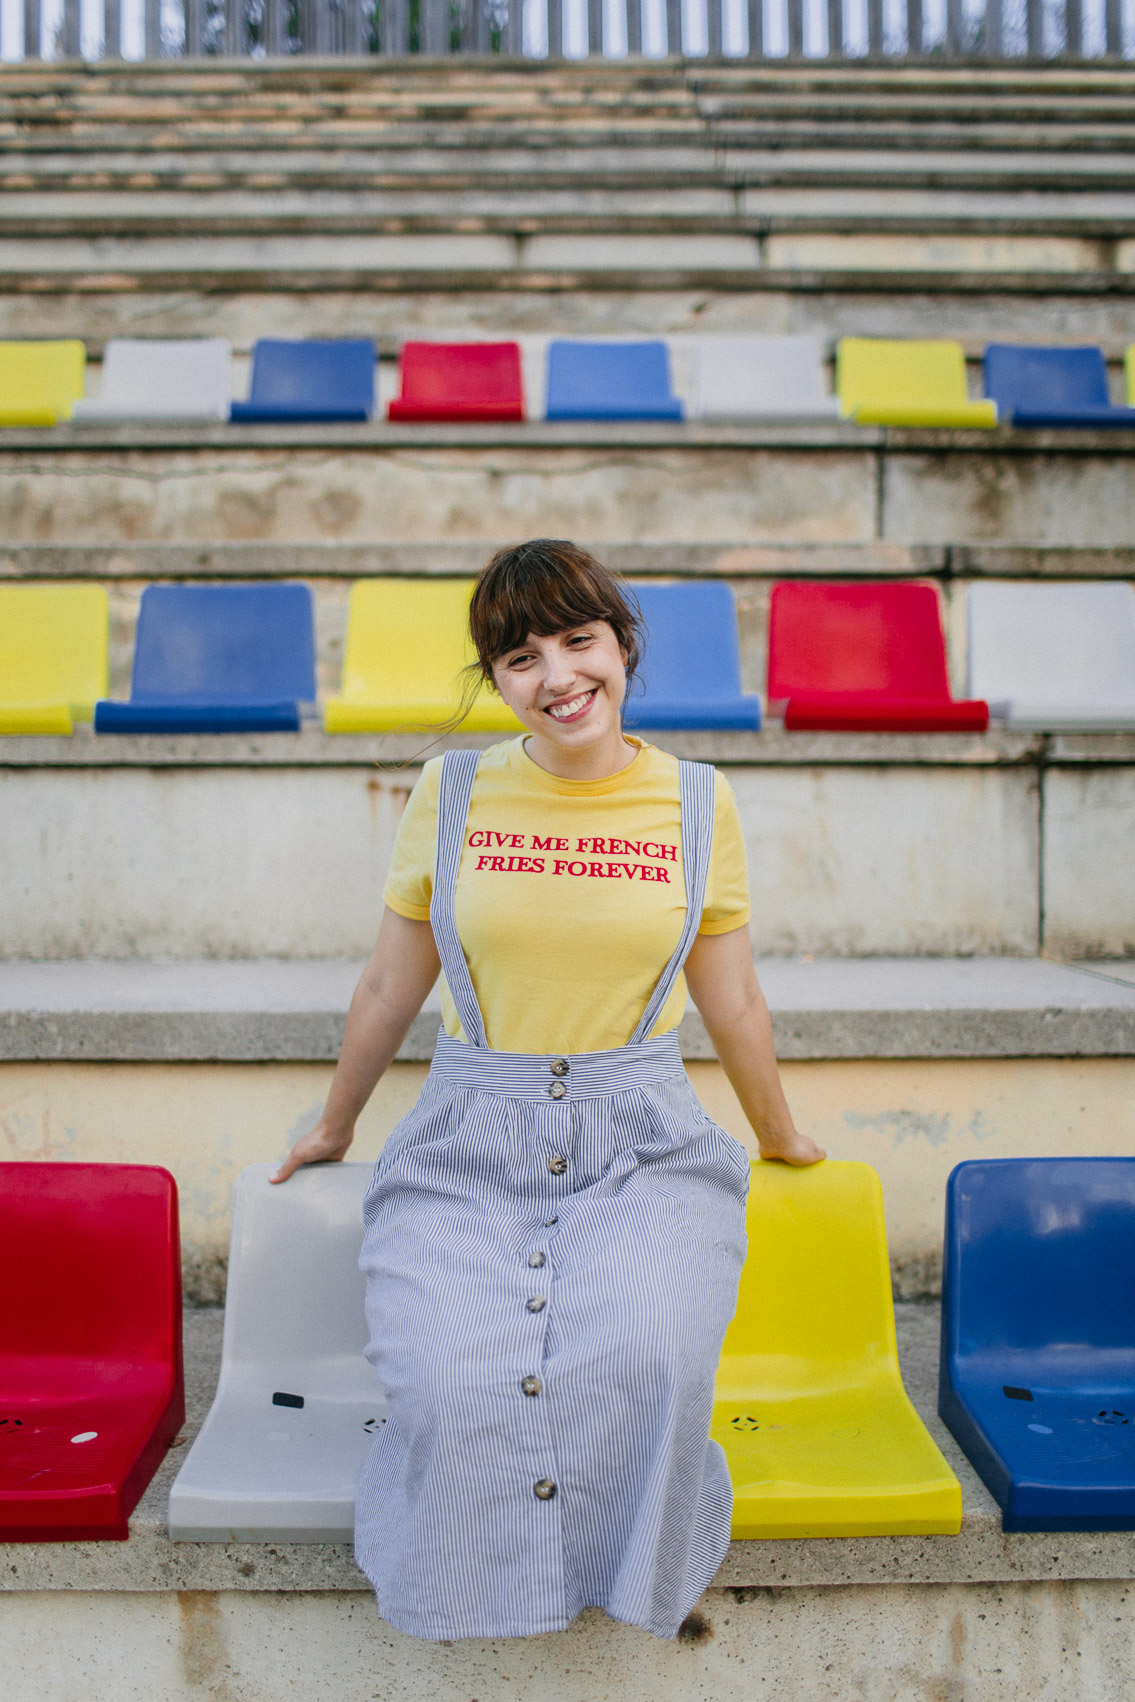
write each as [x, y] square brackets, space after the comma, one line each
[833, 30]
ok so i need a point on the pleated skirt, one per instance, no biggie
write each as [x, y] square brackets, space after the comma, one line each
[549, 1278]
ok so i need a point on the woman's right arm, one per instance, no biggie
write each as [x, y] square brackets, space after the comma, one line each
[403, 967]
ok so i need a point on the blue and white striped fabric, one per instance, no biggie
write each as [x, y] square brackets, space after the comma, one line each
[552, 1252]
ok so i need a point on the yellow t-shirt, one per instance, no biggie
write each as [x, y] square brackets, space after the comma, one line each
[570, 897]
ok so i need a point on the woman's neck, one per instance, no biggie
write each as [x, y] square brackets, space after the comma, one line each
[591, 762]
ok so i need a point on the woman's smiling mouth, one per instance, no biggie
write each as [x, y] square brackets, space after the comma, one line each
[573, 708]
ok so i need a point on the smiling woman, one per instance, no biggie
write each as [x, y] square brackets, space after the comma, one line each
[555, 1233]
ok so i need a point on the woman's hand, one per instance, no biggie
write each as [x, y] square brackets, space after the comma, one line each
[791, 1148]
[321, 1145]
[723, 985]
[403, 967]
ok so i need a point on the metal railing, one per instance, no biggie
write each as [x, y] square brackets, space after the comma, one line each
[834, 30]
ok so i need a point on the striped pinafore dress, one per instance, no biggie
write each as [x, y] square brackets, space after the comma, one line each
[552, 1249]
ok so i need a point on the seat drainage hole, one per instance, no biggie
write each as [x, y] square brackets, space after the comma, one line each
[85, 1436]
[745, 1421]
[373, 1424]
[9, 1426]
[1109, 1415]
[282, 1399]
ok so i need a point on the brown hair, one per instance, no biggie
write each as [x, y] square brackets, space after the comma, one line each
[545, 586]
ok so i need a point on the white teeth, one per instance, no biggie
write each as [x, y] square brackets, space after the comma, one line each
[562, 710]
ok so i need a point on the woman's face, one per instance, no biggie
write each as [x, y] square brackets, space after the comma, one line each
[568, 688]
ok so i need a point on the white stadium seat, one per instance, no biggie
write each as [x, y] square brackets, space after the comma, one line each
[279, 1456]
[187, 379]
[1054, 658]
[760, 377]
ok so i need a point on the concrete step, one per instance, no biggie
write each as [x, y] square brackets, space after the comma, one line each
[391, 305]
[912, 1065]
[244, 559]
[982, 1612]
[570, 177]
[858, 845]
[655, 483]
[274, 1011]
[981, 1552]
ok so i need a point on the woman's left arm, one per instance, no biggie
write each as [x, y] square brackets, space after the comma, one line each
[723, 985]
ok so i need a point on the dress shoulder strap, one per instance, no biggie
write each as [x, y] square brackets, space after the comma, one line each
[458, 772]
[696, 800]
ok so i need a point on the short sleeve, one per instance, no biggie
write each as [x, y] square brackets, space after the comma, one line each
[409, 883]
[727, 889]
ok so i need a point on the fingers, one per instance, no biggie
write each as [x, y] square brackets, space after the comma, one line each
[315, 1148]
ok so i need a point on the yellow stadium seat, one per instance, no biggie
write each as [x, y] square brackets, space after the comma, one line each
[809, 1407]
[40, 382]
[1129, 373]
[407, 643]
[880, 382]
[53, 656]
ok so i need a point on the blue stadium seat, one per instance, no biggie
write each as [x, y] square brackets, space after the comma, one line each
[1042, 386]
[610, 381]
[691, 670]
[309, 381]
[218, 659]
[1037, 1376]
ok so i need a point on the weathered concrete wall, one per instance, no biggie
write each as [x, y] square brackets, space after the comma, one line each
[183, 863]
[1051, 1642]
[912, 1119]
[432, 493]
[846, 862]
[1089, 861]
[289, 862]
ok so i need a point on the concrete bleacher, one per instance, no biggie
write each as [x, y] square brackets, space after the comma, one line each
[898, 1617]
[186, 915]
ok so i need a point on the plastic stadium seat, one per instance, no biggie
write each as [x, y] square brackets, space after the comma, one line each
[1038, 1337]
[761, 377]
[40, 382]
[610, 381]
[91, 1388]
[218, 659]
[691, 666]
[297, 1407]
[309, 381]
[1054, 658]
[459, 381]
[810, 1408]
[53, 656]
[407, 646]
[863, 658]
[1042, 386]
[161, 380]
[922, 383]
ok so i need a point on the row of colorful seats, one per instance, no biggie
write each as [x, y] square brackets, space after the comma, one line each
[879, 381]
[1037, 1379]
[844, 657]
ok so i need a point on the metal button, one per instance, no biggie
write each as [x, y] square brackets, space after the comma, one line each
[531, 1385]
[557, 1090]
[559, 1066]
[557, 1165]
[535, 1260]
[537, 1303]
[544, 1490]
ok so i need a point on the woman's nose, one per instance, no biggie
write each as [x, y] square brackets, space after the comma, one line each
[559, 675]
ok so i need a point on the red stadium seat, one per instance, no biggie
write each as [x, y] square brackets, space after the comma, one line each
[459, 381]
[91, 1383]
[863, 658]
